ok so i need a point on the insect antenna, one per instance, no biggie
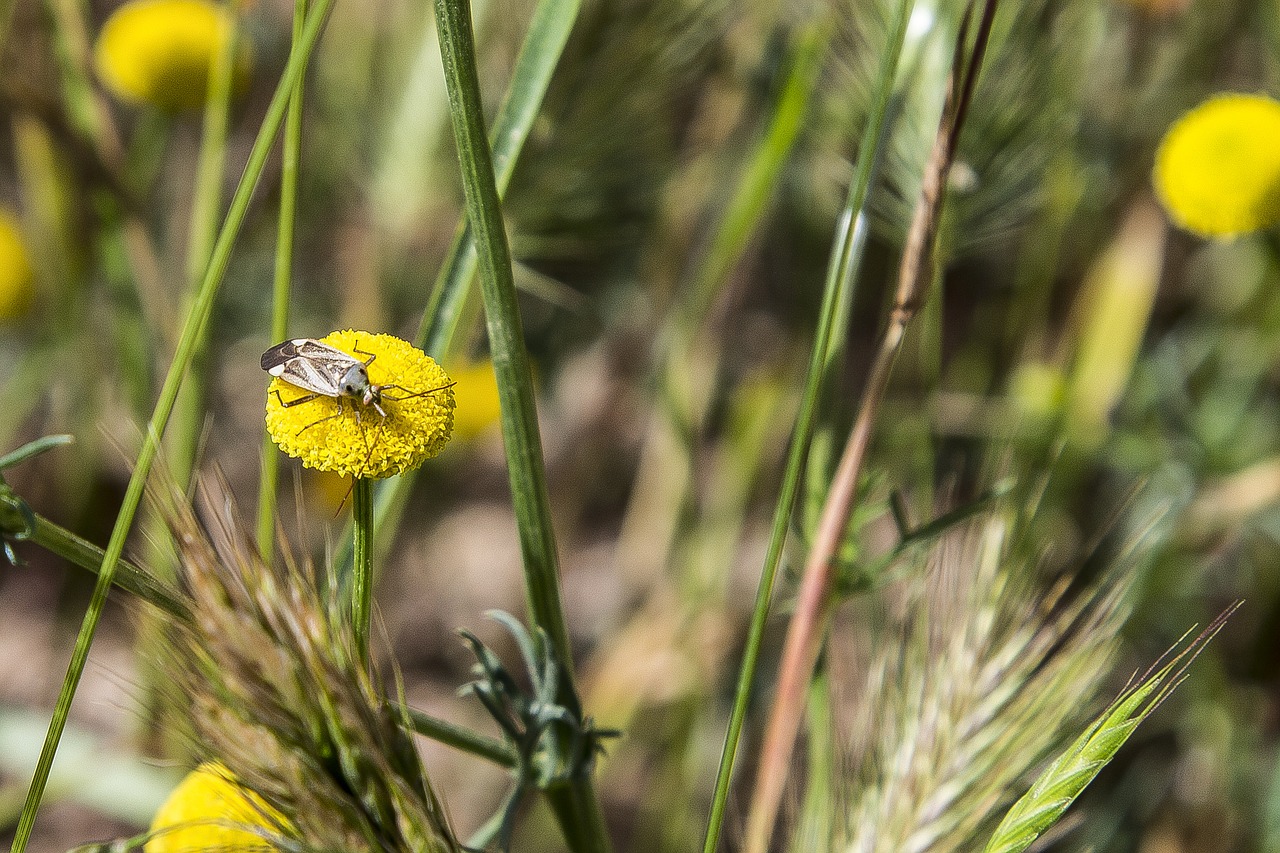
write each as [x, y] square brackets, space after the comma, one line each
[413, 394]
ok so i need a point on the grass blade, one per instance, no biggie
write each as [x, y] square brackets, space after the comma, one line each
[837, 292]
[282, 286]
[548, 33]
[201, 307]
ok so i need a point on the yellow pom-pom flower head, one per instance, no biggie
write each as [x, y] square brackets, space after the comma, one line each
[357, 403]
[1217, 171]
[160, 52]
[210, 811]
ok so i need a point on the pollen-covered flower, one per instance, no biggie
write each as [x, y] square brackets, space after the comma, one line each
[17, 280]
[338, 431]
[209, 811]
[1218, 169]
[160, 52]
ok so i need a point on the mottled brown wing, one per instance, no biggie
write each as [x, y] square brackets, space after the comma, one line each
[309, 364]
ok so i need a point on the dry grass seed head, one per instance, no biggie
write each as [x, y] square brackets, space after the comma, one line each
[278, 695]
[979, 673]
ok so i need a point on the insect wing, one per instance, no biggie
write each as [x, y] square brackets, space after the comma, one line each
[309, 364]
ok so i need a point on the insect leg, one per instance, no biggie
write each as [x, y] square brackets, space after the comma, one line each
[307, 398]
[337, 414]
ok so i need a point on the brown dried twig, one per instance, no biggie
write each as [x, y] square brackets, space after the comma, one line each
[813, 602]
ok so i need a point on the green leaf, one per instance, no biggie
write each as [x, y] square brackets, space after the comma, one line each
[33, 448]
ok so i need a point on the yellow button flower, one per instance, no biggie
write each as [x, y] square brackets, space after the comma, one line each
[208, 811]
[477, 395]
[1217, 171]
[159, 52]
[342, 433]
[17, 279]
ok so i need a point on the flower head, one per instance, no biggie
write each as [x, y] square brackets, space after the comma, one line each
[17, 280]
[344, 434]
[1217, 171]
[159, 52]
[209, 811]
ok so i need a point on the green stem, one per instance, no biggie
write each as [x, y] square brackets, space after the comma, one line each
[362, 553]
[290, 155]
[502, 317]
[196, 318]
[462, 738]
[832, 321]
[83, 553]
[574, 803]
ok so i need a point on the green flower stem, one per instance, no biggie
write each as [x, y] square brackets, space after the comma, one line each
[196, 318]
[362, 553]
[548, 33]
[83, 553]
[462, 738]
[291, 155]
[832, 322]
[574, 803]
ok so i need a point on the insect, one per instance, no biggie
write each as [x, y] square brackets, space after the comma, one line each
[327, 371]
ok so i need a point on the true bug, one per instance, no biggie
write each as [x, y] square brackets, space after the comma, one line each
[327, 371]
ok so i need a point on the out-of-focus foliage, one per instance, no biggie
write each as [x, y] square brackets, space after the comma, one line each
[1079, 352]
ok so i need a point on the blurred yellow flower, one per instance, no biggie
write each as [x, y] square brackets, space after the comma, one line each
[159, 52]
[343, 435]
[209, 811]
[1217, 171]
[477, 394]
[17, 279]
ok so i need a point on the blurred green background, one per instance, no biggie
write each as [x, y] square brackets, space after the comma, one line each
[670, 235]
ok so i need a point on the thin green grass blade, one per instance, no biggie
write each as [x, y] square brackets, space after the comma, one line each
[282, 286]
[548, 33]
[33, 448]
[1067, 776]
[832, 320]
[201, 307]
[575, 803]
[763, 171]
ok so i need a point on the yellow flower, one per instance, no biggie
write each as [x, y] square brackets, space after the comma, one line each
[17, 279]
[1218, 169]
[159, 52]
[343, 435]
[477, 395]
[209, 811]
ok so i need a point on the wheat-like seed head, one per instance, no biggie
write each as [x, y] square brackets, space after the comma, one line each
[973, 681]
[278, 694]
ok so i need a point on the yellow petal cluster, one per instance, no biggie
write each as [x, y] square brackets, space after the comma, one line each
[208, 811]
[346, 437]
[1217, 172]
[17, 279]
[159, 52]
